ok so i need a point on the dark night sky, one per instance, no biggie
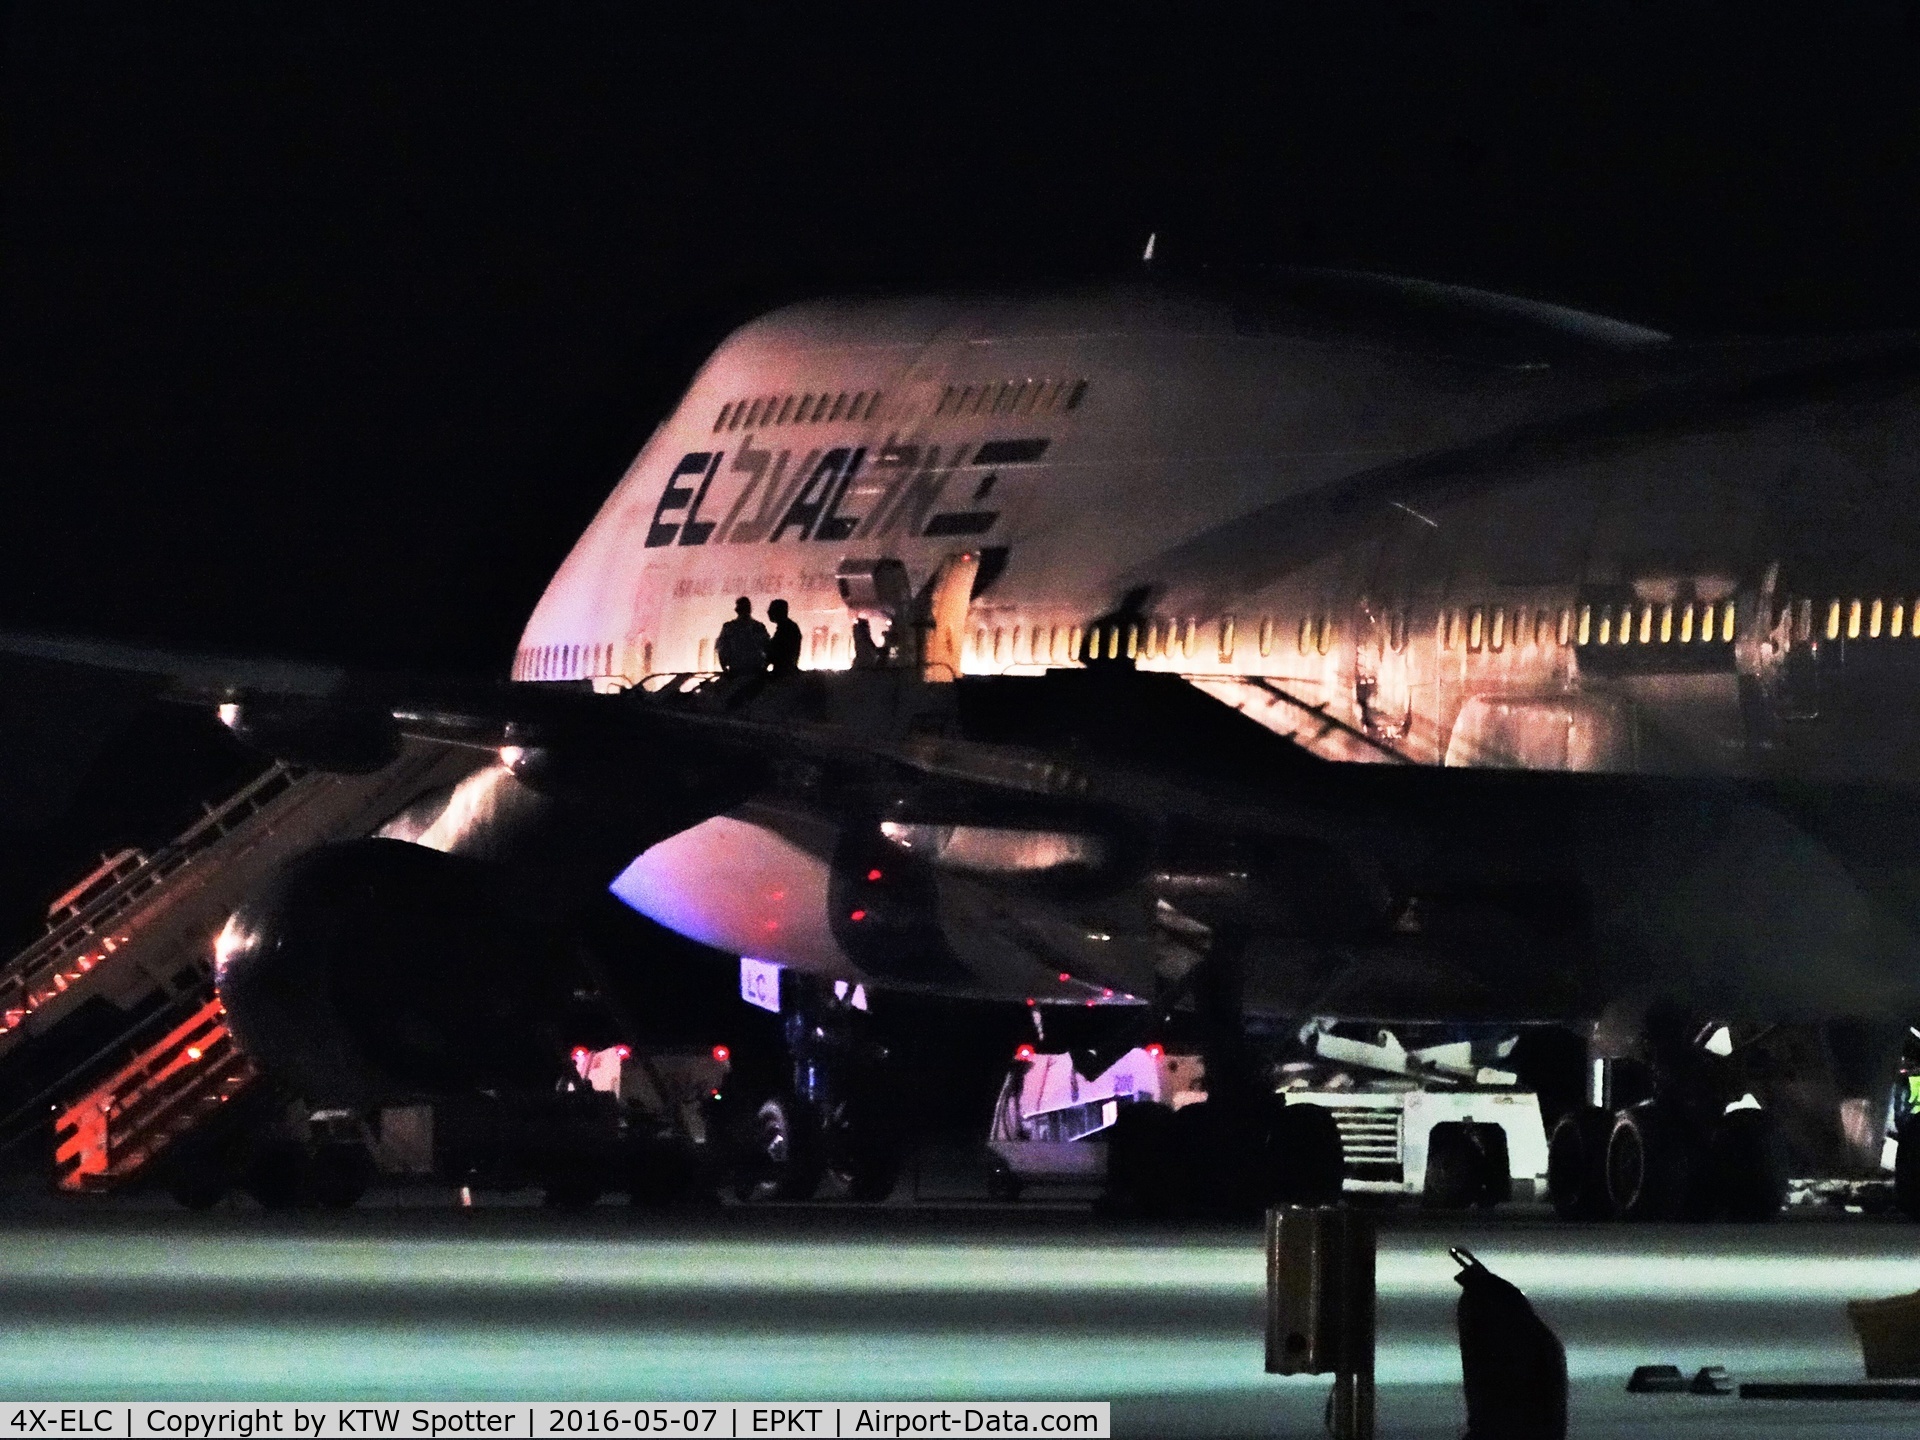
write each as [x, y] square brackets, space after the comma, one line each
[328, 326]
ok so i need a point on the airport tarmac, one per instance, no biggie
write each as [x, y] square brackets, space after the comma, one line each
[125, 1300]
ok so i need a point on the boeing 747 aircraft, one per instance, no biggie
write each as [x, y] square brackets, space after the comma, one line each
[1332, 645]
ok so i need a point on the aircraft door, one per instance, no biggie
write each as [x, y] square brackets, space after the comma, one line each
[1382, 678]
[1780, 663]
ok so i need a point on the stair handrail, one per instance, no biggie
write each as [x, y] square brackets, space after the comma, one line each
[78, 931]
[13, 1131]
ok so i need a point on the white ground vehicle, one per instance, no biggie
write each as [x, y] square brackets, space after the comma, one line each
[1427, 1122]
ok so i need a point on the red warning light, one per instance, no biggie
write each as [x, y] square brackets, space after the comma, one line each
[623, 1052]
[193, 1052]
[722, 1054]
[1065, 977]
[1023, 1054]
[1156, 1050]
[580, 1052]
[858, 916]
[875, 875]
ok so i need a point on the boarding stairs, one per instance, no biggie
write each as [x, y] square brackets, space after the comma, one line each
[112, 1014]
[167, 1089]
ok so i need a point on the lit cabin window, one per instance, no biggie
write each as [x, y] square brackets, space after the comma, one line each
[1226, 639]
[1499, 637]
[1266, 635]
[1874, 618]
[753, 413]
[1541, 634]
[1306, 636]
[1606, 624]
[1476, 628]
[1325, 640]
[1897, 619]
[1454, 621]
[1586, 624]
[1646, 624]
[1833, 620]
[1153, 639]
[720, 420]
[1073, 643]
[833, 647]
[1853, 621]
[1666, 623]
[1565, 632]
[1079, 394]
[1686, 623]
[1133, 642]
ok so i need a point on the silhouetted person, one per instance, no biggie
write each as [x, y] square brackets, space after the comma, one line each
[742, 646]
[867, 654]
[783, 650]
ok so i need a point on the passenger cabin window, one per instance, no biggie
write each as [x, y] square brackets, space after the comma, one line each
[1226, 639]
[1027, 396]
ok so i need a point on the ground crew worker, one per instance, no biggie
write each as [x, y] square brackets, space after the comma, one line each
[742, 646]
[783, 650]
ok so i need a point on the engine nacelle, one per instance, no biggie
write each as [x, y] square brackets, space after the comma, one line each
[377, 969]
[320, 735]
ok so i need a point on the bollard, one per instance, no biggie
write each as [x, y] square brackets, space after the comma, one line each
[1320, 1308]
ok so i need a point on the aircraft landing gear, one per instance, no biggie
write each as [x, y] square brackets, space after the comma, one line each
[780, 1157]
[836, 1117]
[1241, 1149]
[1673, 1145]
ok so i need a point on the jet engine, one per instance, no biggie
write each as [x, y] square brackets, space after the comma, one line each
[377, 969]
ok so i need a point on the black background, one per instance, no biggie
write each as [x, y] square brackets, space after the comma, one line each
[328, 327]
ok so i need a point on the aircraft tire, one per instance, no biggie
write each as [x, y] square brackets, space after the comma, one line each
[1577, 1164]
[339, 1175]
[1649, 1167]
[1906, 1171]
[781, 1157]
[1749, 1173]
[277, 1177]
[1142, 1174]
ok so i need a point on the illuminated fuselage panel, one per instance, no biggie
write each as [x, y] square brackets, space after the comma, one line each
[1087, 438]
[1462, 529]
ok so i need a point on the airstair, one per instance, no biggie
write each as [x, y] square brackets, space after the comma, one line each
[110, 1021]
